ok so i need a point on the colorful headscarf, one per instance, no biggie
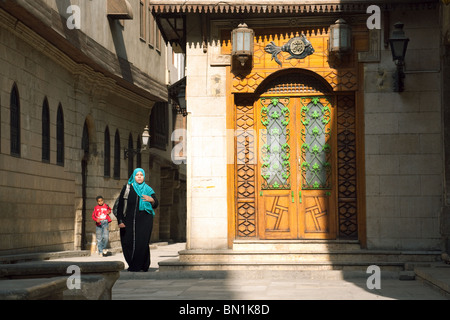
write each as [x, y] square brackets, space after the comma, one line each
[142, 189]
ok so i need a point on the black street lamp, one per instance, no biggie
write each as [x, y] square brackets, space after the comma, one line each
[182, 100]
[132, 152]
[398, 43]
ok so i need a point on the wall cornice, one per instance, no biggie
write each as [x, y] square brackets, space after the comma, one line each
[80, 71]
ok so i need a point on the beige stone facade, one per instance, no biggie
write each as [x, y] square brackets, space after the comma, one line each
[103, 76]
[402, 162]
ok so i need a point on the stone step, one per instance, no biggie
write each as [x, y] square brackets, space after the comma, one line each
[347, 266]
[295, 245]
[260, 274]
[305, 258]
[302, 256]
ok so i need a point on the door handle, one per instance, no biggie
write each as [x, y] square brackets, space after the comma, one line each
[300, 196]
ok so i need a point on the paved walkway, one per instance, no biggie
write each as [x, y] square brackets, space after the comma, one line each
[154, 285]
[281, 289]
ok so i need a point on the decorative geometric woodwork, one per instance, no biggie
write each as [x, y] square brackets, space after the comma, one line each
[245, 175]
[277, 213]
[347, 169]
[295, 83]
[316, 213]
[344, 80]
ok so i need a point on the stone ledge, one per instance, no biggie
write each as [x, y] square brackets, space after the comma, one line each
[59, 268]
[33, 289]
[36, 280]
[18, 258]
[93, 287]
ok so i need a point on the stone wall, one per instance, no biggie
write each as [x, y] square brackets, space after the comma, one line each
[206, 146]
[403, 139]
[40, 203]
[445, 38]
[121, 38]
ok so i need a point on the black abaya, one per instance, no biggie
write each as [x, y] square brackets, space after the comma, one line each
[135, 237]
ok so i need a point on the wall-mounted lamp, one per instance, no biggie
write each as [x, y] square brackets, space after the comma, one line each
[340, 37]
[399, 44]
[177, 92]
[182, 100]
[242, 43]
[133, 152]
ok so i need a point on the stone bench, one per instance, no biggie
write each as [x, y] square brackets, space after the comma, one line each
[96, 279]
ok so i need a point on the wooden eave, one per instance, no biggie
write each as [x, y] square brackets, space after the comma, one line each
[280, 6]
[170, 15]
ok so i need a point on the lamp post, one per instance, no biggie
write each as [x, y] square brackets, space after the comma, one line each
[145, 138]
[398, 43]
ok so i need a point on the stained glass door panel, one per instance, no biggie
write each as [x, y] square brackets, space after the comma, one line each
[278, 219]
[316, 140]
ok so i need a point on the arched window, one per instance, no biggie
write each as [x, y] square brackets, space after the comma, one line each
[85, 140]
[107, 155]
[60, 137]
[117, 155]
[15, 121]
[45, 131]
[130, 155]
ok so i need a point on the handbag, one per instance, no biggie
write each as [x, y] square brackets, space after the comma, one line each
[125, 199]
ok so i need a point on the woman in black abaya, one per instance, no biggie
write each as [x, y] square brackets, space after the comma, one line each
[136, 223]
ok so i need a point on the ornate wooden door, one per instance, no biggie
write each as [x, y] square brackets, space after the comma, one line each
[296, 167]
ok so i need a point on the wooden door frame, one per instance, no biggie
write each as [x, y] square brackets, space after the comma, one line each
[358, 97]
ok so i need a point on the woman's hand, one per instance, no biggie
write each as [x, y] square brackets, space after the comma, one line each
[148, 199]
[121, 225]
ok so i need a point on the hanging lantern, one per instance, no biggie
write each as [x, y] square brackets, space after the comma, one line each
[340, 37]
[145, 137]
[242, 43]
